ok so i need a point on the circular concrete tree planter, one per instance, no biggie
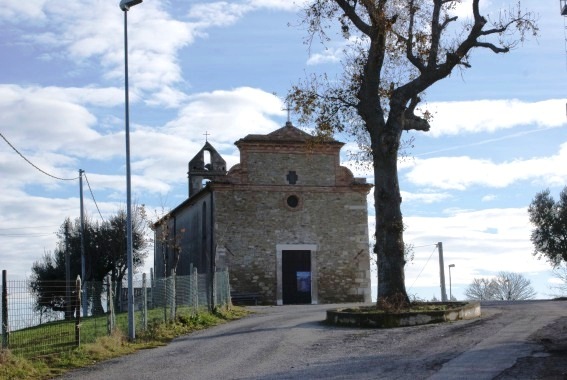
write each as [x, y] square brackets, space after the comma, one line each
[369, 316]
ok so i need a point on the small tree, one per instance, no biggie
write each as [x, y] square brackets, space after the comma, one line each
[560, 273]
[550, 220]
[507, 286]
[49, 292]
[105, 253]
[394, 51]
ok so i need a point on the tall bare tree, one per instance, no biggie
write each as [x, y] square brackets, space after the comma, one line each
[395, 50]
[507, 286]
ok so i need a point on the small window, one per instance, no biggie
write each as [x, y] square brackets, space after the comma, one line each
[292, 201]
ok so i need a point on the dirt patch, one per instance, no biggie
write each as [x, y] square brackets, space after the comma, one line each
[548, 364]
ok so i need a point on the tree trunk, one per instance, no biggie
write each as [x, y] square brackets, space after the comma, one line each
[97, 298]
[389, 223]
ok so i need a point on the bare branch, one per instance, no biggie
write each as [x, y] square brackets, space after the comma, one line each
[447, 21]
[350, 12]
[409, 41]
[476, 13]
[492, 47]
[436, 30]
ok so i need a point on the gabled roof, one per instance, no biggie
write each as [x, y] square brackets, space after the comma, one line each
[288, 134]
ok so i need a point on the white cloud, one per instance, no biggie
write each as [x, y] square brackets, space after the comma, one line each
[31, 117]
[62, 133]
[91, 35]
[21, 213]
[462, 172]
[285, 5]
[16, 10]
[450, 118]
[219, 13]
[425, 197]
[488, 198]
[167, 96]
[479, 243]
[329, 55]
[227, 115]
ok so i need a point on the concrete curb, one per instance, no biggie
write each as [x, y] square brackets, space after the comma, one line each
[360, 317]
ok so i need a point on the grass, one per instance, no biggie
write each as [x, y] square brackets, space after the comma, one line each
[27, 365]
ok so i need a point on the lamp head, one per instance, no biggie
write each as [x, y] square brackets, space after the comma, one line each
[125, 5]
[451, 265]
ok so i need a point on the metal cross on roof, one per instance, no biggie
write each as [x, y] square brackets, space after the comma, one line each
[288, 109]
[206, 134]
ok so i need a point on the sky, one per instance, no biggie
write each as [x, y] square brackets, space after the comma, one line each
[498, 134]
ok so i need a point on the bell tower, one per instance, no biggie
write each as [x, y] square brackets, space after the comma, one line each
[206, 165]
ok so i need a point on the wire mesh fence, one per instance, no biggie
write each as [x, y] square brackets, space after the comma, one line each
[43, 318]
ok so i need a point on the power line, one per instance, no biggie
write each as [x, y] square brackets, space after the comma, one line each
[32, 164]
[423, 266]
[92, 195]
[25, 228]
[30, 234]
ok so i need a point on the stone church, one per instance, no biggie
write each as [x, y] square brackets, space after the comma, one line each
[288, 222]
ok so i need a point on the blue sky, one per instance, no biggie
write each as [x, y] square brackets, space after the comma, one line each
[497, 138]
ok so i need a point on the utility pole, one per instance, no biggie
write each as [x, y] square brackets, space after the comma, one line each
[68, 306]
[83, 270]
[442, 272]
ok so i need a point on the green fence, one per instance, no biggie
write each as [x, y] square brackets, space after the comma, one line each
[39, 319]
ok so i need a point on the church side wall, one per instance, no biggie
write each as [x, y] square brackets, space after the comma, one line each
[188, 235]
[251, 222]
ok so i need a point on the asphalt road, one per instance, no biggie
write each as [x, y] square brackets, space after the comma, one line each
[289, 342]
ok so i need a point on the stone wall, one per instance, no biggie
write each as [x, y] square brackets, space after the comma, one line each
[273, 168]
[251, 223]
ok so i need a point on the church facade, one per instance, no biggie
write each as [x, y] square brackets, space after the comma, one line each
[288, 222]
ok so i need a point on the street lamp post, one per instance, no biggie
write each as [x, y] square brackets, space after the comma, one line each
[125, 6]
[450, 285]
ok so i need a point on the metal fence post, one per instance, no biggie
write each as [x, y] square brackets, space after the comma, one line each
[144, 303]
[173, 290]
[78, 311]
[152, 287]
[191, 293]
[227, 300]
[164, 297]
[5, 333]
[214, 292]
[195, 289]
[111, 320]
